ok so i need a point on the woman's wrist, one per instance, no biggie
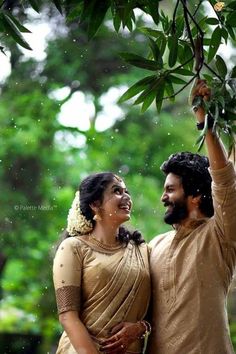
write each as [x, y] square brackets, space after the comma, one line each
[145, 328]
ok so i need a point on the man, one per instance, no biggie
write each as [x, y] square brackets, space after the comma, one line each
[193, 265]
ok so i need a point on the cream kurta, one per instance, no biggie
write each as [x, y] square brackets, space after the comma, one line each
[105, 286]
[191, 272]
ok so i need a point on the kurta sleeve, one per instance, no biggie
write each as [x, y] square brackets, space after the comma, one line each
[67, 269]
[224, 198]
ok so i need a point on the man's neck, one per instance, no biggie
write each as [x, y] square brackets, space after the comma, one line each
[194, 215]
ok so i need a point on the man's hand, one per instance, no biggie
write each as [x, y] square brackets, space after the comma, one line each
[123, 335]
[200, 91]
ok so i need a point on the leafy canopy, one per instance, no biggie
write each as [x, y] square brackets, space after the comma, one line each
[183, 38]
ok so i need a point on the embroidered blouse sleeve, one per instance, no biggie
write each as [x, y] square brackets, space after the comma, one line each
[67, 268]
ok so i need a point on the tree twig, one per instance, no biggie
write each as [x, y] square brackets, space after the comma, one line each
[180, 90]
[213, 71]
[174, 15]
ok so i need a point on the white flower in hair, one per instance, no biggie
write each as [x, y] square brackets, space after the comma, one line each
[77, 224]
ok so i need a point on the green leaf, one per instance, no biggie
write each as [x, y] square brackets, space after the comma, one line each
[221, 100]
[176, 80]
[159, 95]
[156, 52]
[200, 142]
[233, 129]
[35, 5]
[2, 50]
[173, 48]
[206, 41]
[207, 77]
[224, 34]
[153, 6]
[148, 101]
[147, 91]
[140, 62]
[212, 21]
[20, 27]
[182, 71]
[179, 26]
[232, 5]
[13, 31]
[232, 84]
[162, 41]
[233, 72]
[58, 4]
[231, 32]
[137, 87]
[161, 38]
[98, 13]
[214, 44]
[231, 19]
[201, 24]
[170, 90]
[150, 32]
[87, 10]
[129, 24]
[116, 22]
[184, 54]
[230, 116]
[221, 66]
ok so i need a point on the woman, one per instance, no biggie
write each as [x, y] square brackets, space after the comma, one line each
[101, 274]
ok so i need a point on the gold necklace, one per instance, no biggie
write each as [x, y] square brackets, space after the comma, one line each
[105, 246]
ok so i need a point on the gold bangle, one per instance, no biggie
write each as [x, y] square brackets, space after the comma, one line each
[147, 327]
[146, 334]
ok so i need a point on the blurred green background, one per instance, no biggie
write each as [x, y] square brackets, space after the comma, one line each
[59, 122]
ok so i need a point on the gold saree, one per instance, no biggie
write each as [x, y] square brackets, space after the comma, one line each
[105, 285]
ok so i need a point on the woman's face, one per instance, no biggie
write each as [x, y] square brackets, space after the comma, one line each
[116, 205]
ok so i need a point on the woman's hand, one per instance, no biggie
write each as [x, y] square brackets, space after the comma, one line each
[123, 335]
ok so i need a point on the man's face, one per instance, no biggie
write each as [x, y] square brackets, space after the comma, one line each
[174, 199]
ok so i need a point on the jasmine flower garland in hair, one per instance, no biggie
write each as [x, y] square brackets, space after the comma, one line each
[77, 224]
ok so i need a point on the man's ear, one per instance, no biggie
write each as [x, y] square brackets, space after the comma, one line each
[196, 200]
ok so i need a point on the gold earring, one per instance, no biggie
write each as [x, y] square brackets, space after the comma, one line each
[97, 217]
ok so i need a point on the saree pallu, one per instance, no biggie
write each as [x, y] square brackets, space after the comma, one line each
[106, 285]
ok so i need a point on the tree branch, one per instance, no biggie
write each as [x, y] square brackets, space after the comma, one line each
[174, 14]
[198, 45]
[182, 88]
[213, 71]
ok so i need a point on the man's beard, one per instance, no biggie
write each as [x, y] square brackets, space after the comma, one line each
[178, 212]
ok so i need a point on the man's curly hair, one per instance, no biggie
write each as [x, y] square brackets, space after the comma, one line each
[195, 177]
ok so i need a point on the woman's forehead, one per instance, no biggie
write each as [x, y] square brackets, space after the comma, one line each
[117, 181]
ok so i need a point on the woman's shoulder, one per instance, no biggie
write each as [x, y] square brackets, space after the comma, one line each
[74, 243]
